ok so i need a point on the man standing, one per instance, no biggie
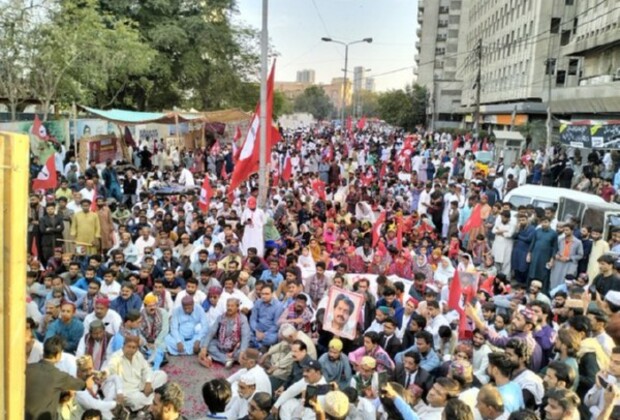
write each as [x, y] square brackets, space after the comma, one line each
[44, 382]
[253, 219]
[85, 228]
[503, 229]
[138, 378]
[569, 252]
[599, 248]
[541, 254]
[233, 337]
[522, 237]
[51, 227]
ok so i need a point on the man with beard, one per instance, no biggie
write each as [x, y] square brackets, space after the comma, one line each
[522, 236]
[106, 393]
[342, 309]
[248, 360]
[67, 326]
[127, 301]
[233, 337]
[187, 326]
[335, 365]
[480, 359]
[85, 229]
[127, 248]
[102, 312]
[543, 249]
[168, 402]
[569, 253]
[50, 228]
[86, 304]
[530, 383]
[96, 344]
[599, 248]
[191, 289]
[154, 328]
[298, 314]
[500, 370]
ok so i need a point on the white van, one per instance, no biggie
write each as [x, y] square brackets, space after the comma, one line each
[541, 196]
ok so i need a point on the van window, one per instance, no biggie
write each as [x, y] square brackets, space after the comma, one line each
[519, 200]
[543, 203]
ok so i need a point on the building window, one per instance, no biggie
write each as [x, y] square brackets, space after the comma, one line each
[569, 2]
[555, 25]
[550, 66]
[565, 39]
[573, 66]
[575, 25]
[560, 78]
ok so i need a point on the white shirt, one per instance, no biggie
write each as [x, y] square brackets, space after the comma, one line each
[67, 364]
[199, 298]
[112, 291]
[263, 384]
[134, 373]
[112, 321]
[187, 178]
[142, 243]
[87, 194]
[36, 354]
[296, 389]
[246, 303]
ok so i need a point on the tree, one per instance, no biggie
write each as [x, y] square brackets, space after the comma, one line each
[315, 101]
[404, 108]
[365, 103]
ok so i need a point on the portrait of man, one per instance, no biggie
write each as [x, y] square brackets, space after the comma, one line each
[342, 312]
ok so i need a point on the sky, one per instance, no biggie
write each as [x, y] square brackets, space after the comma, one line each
[296, 28]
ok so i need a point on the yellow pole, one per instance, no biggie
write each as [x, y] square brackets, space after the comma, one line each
[14, 151]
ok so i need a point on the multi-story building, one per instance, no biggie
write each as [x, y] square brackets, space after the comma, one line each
[369, 84]
[358, 78]
[515, 44]
[587, 71]
[335, 92]
[439, 58]
[291, 90]
[305, 76]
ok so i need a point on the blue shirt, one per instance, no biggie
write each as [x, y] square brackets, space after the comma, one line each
[269, 276]
[123, 306]
[71, 333]
[83, 283]
[265, 316]
[429, 362]
[183, 325]
[512, 396]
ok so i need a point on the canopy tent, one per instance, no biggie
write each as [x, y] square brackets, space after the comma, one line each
[121, 116]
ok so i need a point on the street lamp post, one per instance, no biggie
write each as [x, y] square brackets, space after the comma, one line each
[346, 64]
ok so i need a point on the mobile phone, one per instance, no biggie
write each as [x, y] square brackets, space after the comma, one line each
[312, 391]
[603, 382]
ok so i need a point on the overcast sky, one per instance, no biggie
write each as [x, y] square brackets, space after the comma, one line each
[296, 28]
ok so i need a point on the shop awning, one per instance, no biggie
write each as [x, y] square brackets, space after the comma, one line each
[121, 116]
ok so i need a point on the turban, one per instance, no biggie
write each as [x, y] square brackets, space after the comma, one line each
[369, 362]
[103, 301]
[150, 299]
[336, 344]
[187, 300]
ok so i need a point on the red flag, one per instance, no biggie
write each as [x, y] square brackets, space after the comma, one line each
[38, 129]
[376, 229]
[319, 187]
[47, 177]
[223, 173]
[361, 123]
[349, 123]
[206, 192]
[454, 301]
[474, 221]
[287, 170]
[249, 156]
[236, 150]
[34, 250]
[399, 233]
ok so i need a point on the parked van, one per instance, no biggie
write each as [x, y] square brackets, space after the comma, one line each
[603, 216]
[541, 196]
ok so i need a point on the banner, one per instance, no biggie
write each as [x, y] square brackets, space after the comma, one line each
[591, 134]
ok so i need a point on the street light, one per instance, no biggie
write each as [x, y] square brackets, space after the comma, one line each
[346, 64]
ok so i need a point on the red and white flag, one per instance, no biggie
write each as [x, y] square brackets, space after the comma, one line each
[319, 187]
[47, 177]
[38, 129]
[376, 229]
[249, 156]
[287, 169]
[206, 192]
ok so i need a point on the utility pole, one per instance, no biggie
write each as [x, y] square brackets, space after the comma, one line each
[550, 68]
[263, 176]
[478, 89]
[344, 84]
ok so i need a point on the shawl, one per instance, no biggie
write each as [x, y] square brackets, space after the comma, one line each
[151, 326]
[229, 340]
[444, 274]
[270, 233]
[90, 347]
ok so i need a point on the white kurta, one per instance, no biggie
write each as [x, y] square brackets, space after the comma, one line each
[253, 233]
[502, 245]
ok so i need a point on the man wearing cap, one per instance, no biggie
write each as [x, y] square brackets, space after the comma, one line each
[523, 324]
[96, 343]
[253, 220]
[187, 326]
[154, 327]
[105, 394]
[233, 337]
[248, 360]
[366, 380]
[536, 294]
[107, 316]
[67, 326]
[85, 228]
[288, 404]
[335, 365]
[237, 408]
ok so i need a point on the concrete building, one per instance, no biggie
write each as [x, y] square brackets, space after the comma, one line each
[305, 76]
[520, 41]
[369, 84]
[439, 58]
[334, 92]
[587, 74]
[359, 78]
[291, 89]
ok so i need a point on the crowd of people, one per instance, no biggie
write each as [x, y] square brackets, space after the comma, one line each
[122, 278]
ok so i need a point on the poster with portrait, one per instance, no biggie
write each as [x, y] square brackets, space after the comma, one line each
[469, 284]
[342, 312]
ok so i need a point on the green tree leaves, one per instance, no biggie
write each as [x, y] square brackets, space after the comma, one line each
[404, 108]
[315, 101]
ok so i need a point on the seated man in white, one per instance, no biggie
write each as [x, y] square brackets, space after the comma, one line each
[188, 325]
[289, 403]
[137, 377]
[110, 386]
[249, 364]
[237, 408]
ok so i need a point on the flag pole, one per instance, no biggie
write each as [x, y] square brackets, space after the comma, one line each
[262, 168]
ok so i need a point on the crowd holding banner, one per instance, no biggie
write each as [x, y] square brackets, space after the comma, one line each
[385, 278]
